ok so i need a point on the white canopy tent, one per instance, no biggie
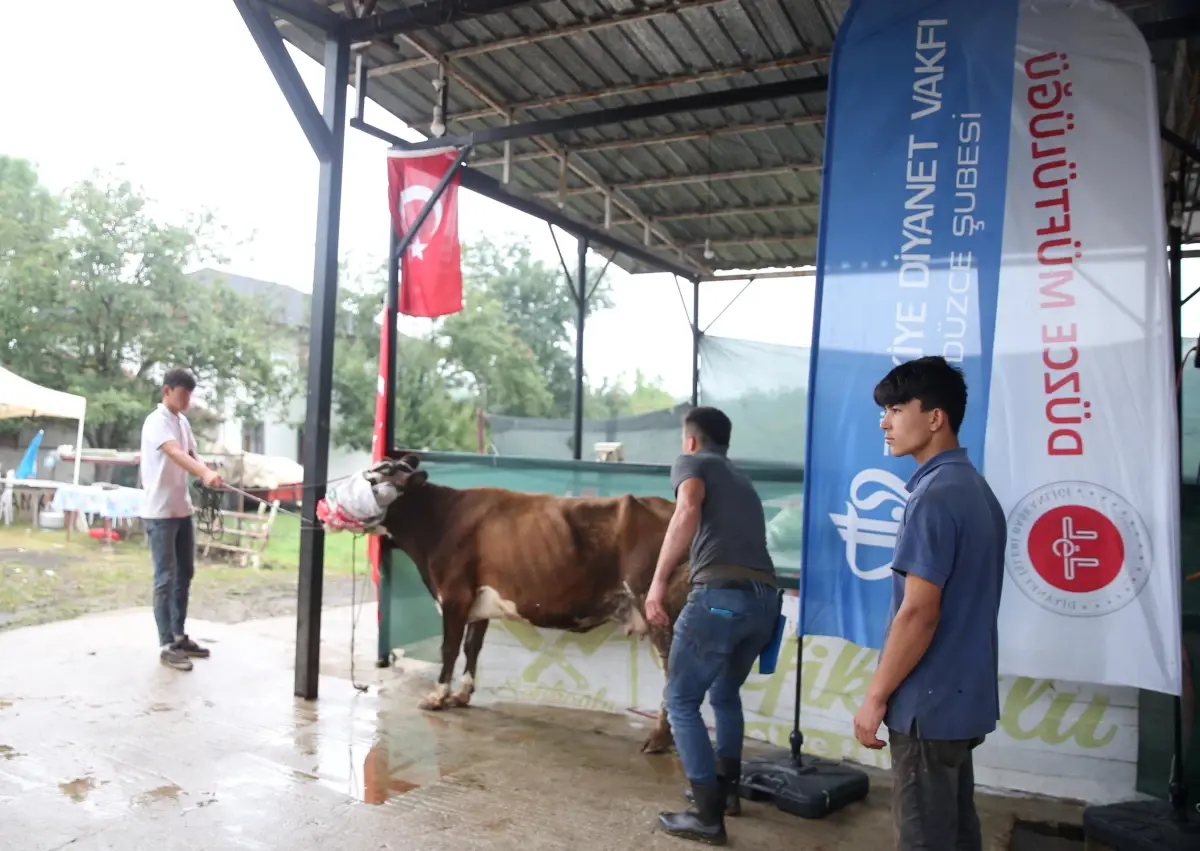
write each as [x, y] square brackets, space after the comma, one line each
[22, 398]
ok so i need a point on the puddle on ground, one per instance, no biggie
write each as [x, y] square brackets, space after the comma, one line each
[9, 752]
[162, 793]
[373, 760]
[78, 789]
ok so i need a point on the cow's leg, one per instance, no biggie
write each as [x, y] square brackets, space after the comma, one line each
[660, 739]
[471, 647]
[454, 621]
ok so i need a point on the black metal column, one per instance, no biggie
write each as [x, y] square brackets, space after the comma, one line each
[1177, 790]
[320, 369]
[581, 300]
[695, 343]
[391, 310]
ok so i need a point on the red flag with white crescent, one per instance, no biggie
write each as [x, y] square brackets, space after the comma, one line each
[430, 269]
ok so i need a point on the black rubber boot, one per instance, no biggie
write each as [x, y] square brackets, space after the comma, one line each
[704, 821]
[729, 777]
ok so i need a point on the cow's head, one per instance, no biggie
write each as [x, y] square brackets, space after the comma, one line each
[401, 473]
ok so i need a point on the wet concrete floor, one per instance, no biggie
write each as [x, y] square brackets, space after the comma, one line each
[101, 747]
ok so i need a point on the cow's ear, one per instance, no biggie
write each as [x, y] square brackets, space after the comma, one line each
[416, 479]
[411, 460]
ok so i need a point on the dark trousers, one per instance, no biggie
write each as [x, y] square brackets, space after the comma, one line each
[173, 552]
[933, 793]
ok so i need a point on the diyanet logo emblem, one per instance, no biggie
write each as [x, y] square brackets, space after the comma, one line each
[876, 534]
[1078, 549]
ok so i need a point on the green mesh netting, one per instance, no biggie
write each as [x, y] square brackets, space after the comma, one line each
[762, 387]
[651, 438]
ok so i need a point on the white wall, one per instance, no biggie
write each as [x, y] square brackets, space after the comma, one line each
[57, 434]
[282, 439]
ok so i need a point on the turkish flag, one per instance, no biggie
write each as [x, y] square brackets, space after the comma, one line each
[430, 270]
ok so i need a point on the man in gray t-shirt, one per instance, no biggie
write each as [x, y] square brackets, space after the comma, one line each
[729, 617]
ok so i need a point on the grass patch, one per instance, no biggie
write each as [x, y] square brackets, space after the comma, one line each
[342, 550]
[45, 576]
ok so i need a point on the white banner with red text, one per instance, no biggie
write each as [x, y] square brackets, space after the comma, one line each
[1082, 441]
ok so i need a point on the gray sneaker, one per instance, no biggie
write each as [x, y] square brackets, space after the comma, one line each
[175, 658]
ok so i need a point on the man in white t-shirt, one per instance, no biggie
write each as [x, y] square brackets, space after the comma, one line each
[168, 455]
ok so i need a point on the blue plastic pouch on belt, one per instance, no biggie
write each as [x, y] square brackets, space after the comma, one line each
[770, 654]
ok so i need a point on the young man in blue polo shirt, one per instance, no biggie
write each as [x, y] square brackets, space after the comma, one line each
[935, 686]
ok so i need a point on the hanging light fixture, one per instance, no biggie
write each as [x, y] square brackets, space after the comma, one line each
[709, 254]
[437, 127]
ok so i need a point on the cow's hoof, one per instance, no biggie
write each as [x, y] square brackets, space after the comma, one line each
[659, 741]
[458, 700]
[433, 702]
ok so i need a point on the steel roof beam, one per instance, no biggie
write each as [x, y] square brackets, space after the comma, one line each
[545, 35]
[490, 187]
[637, 112]
[1173, 28]
[283, 69]
[1181, 144]
[665, 138]
[653, 85]
[761, 276]
[727, 212]
[423, 16]
[566, 163]
[310, 12]
[685, 179]
[756, 240]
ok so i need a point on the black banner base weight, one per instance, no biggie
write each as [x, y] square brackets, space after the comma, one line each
[1141, 826]
[813, 789]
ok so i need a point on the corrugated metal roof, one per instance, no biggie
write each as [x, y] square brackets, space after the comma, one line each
[746, 178]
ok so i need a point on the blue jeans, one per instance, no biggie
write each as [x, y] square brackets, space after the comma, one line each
[173, 551]
[718, 636]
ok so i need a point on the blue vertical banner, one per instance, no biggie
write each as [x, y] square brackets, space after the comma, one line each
[909, 253]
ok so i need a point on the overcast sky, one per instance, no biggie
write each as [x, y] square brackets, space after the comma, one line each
[177, 98]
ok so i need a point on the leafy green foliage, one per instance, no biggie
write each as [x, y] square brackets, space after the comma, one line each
[428, 415]
[613, 399]
[94, 300]
[536, 297]
[509, 351]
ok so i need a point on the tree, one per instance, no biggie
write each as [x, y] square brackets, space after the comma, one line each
[490, 358]
[613, 399]
[535, 297]
[94, 290]
[31, 260]
[510, 350]
[427, 413]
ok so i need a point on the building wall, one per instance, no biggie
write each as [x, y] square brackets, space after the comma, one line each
[280, 437]
[56, 434]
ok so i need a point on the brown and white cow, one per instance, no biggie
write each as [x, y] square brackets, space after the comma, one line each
[568, 563]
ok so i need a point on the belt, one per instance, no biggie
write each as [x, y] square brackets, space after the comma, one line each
[734, 584]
